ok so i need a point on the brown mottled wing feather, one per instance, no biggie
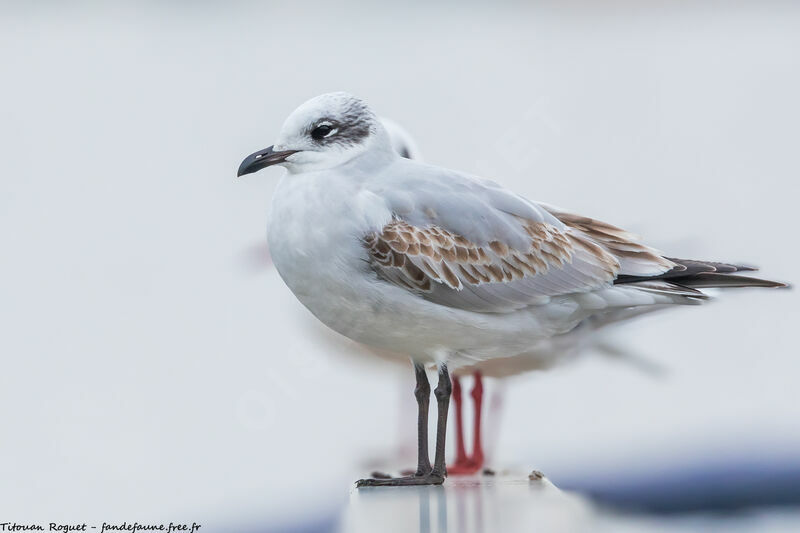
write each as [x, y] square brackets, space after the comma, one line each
[435, 263]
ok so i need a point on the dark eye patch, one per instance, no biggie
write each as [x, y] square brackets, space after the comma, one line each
[352, 127]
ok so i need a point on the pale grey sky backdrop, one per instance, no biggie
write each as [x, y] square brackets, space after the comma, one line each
[150, 371]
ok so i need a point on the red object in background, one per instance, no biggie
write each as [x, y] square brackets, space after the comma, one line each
[465, 465]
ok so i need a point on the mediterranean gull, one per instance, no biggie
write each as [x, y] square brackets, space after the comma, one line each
[443, 267]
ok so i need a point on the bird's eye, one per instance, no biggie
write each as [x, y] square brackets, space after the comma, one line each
[321, 131]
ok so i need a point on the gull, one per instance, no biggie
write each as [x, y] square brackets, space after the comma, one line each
[443, 267]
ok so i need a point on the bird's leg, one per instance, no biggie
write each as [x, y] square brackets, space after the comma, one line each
[477, 398]
[424, 474]
[442, 392]
[422, 392]
[469, 465]
[462, 464]
[461, 453]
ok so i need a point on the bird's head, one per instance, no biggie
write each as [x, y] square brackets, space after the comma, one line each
[323, 133]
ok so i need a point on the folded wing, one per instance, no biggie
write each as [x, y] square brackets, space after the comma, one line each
[501, 252]
[470, 244]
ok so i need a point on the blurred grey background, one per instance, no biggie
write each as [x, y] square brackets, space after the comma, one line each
[154, 366]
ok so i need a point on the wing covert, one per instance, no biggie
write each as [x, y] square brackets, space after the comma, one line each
[447, 268]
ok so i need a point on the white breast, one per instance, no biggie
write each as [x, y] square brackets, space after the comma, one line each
[315, 231]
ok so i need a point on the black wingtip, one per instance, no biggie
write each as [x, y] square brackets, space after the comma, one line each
[712, 280]
[707, 275]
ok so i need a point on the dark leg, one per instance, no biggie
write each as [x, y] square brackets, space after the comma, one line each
[424, 475]
[442, 392]
[422, 392]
